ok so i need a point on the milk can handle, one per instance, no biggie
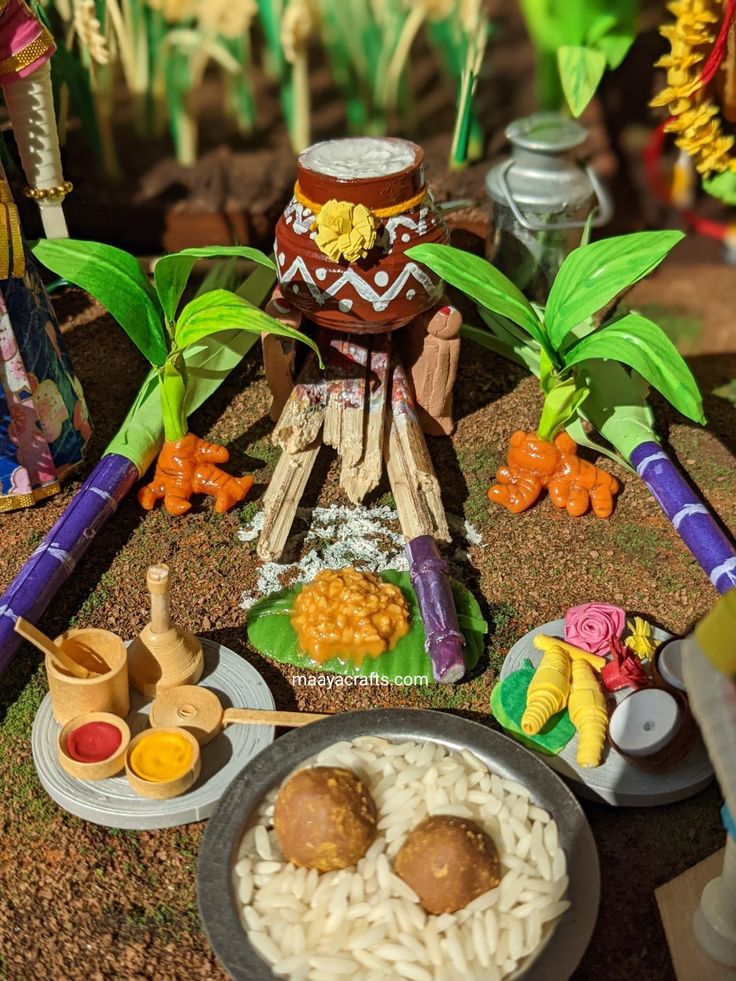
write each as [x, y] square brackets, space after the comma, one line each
[603, 204]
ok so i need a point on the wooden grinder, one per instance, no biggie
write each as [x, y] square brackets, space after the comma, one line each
[163, 655]
[199, 711]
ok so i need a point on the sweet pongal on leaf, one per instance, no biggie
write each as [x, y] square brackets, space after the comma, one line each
[349, 614]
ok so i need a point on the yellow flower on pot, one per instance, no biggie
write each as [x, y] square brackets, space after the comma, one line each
[345, 230]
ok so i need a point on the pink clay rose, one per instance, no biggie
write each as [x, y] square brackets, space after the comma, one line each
[594, 626]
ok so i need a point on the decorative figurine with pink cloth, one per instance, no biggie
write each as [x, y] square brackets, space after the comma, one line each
[44, 425]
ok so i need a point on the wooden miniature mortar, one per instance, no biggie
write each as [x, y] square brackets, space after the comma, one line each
[198, 710]
[104, 768]
[108, 692]
[163, 655]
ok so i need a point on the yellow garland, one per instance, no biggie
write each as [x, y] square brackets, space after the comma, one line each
[346, 230]
[696, 120]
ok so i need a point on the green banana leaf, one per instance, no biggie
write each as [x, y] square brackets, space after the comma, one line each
[271, 633]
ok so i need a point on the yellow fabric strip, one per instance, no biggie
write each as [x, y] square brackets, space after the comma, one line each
[716, 634]
[10, 502]
[395, 209]
[12, 254]
[26, 56]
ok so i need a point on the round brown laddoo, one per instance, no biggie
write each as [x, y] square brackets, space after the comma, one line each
[448, 861]
[324, 818]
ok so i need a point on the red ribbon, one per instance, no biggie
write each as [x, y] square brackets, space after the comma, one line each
[718, 52]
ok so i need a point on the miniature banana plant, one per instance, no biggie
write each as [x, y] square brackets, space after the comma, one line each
[162, 332]
[592, 367]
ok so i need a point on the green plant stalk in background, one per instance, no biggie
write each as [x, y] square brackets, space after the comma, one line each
[576, 40]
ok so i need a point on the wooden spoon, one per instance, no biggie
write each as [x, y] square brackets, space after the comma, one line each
[45, 644]
[198, 710]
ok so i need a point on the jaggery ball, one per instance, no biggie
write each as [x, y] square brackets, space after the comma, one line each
[448, 861]
[324, 818]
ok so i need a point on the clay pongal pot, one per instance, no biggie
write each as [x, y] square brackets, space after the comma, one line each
[385, 289]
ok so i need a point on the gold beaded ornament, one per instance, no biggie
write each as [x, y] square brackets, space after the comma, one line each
[56, 193]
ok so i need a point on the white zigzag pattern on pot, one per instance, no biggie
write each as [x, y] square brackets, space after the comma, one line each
[364, 289]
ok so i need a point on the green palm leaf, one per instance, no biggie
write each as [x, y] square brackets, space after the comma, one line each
[644, 346]
[171, 273]
[221, 310]
[483, 283]
[115, 279]
[592, 275]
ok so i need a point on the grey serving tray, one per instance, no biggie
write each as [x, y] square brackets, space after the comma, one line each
[218, 907]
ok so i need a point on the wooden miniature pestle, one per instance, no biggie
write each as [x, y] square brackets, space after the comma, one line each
[163, 655]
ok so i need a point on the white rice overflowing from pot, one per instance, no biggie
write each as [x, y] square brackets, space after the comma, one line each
[358, 157]
[365, 922]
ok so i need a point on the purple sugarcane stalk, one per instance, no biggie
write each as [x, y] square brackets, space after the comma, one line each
[444, 642]
[56, 557]
[689, 515]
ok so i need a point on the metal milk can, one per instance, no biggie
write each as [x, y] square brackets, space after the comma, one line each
[542, 198]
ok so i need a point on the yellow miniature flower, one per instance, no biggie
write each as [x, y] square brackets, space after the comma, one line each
[345, 230]
[640, 639]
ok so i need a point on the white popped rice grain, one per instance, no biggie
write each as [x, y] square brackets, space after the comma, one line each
[491, 808]
[452, 810]
[538, 814]
[368, 938]
[461, 787]
[243, 866]
[263, 843]
[484, 901]
[491, 926]
[332, 965]
[520, 808]
[432, 941]
[523, 845]
[357, 889]
[393, 952]
[516, 937]
[559, 865]
[252, 919]
[517, 827]
[290, 966]
[444, 921]
[400, 888]
[544, 865]
[454, 949]
[533, 932]
[517, 789]
[265, 946]
[383, 872]
[245, 889]
[554, 910]
[266, 868]
[430, 776]
[472, 760]
[359, 911]
[480, 944]
[551, 839]
[407, 970]
[367, 959]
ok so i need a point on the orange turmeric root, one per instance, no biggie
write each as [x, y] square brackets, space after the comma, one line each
[573, 484]
[187, 466]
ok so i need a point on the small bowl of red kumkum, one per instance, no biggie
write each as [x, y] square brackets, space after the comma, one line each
[92, 746]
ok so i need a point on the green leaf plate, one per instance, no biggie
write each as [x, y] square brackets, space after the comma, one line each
[271, 633]
[508, 701]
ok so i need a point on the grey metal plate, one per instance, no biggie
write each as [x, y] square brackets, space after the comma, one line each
[218, 903]
[113, 803]
[616, 781]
